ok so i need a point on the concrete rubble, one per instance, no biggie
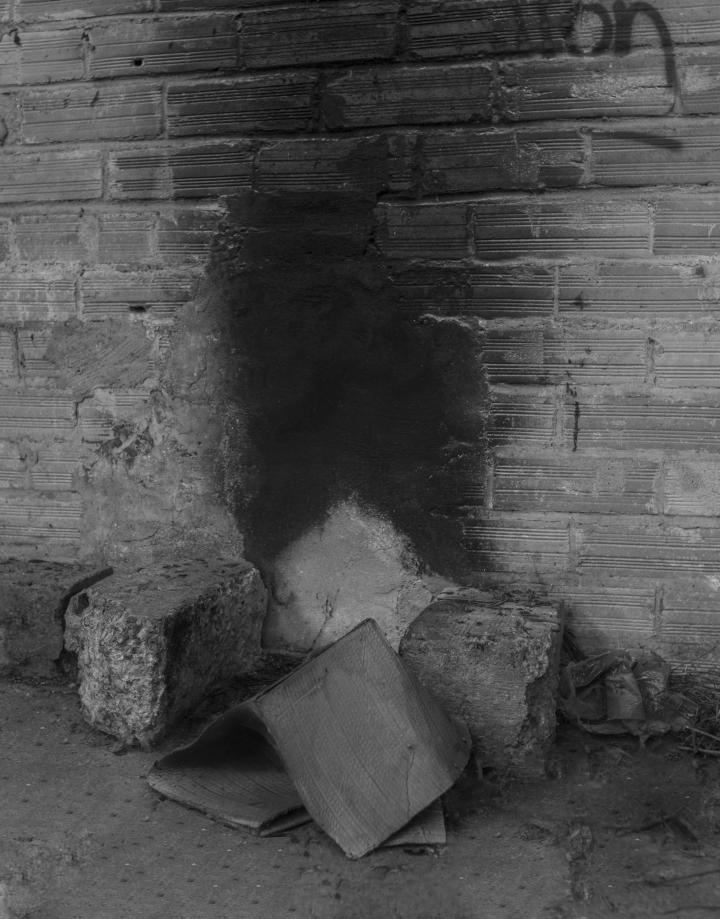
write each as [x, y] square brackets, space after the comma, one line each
[151, 642]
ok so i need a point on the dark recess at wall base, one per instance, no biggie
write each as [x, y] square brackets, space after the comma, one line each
[345, 395]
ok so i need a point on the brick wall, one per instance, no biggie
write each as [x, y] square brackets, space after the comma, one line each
[545, 176]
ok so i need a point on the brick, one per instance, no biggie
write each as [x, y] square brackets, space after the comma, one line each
[522, 416]
[50, 176]
[5, 235]
[140, 46]
[691, 488]
[126, 238]
[38, 297]
[328, 164]
[100, 416]
[32, 345]
[48, 467]
[701, 83]
[524, 545]
[687, 23]
[554, 355]
[650, 550]
[464, 28]
[647, 288]
[206, 171]
[683, 358]
[29, 520]
[60, 236]
[417, 230]
[563, 485]
[601, 616]
[8, 357]
[14, 468]
[274, 102]
[482, 160]
[689, 623]
[586, 87]
[683, 153]
[36, 413]
[408, 95]
[41, 57]
[520, 292]
[509, 708]
[153, 295]
[643, 423]
[556, 227]
[89, 113]
[687, 225]
[152, 642]
[38, 10]
[185, 235]
[322, 33]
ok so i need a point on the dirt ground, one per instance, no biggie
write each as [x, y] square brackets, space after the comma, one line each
[619, 830]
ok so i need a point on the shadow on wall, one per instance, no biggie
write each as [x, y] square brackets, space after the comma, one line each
[344, 395]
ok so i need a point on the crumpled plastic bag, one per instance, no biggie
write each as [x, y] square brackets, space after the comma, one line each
[619, 692]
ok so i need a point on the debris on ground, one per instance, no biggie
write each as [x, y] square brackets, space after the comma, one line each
[350, 739]
[620, 692]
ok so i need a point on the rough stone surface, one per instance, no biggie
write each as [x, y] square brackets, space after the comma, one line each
[493, 663]
[150, 642]
[354, 566]
[34, 595]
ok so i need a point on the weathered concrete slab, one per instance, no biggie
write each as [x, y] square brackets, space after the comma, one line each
[151, 642]
[494, 664]
[34, 595]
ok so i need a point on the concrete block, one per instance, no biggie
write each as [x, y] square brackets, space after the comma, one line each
[523, 416]
[327, 164]
[562, 226]
[55, 236]
[408, 95]
[681, 153]
[323, 33]
[152, 295]
[473, 160]
[206, 171]
[134, 47]
[91, 113]
[577, 485]
[644, 288]
[36, 296]
[272, 102]
[152, 642]
[185, 235]
[601, 616]
[505, 543]
[586, 87]
[463, 28]
[517, 292]
[126, 238]
[492, 662]
[685, 225]
[641, 422]
[35, 594]
[50, 176]
[423, 230]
